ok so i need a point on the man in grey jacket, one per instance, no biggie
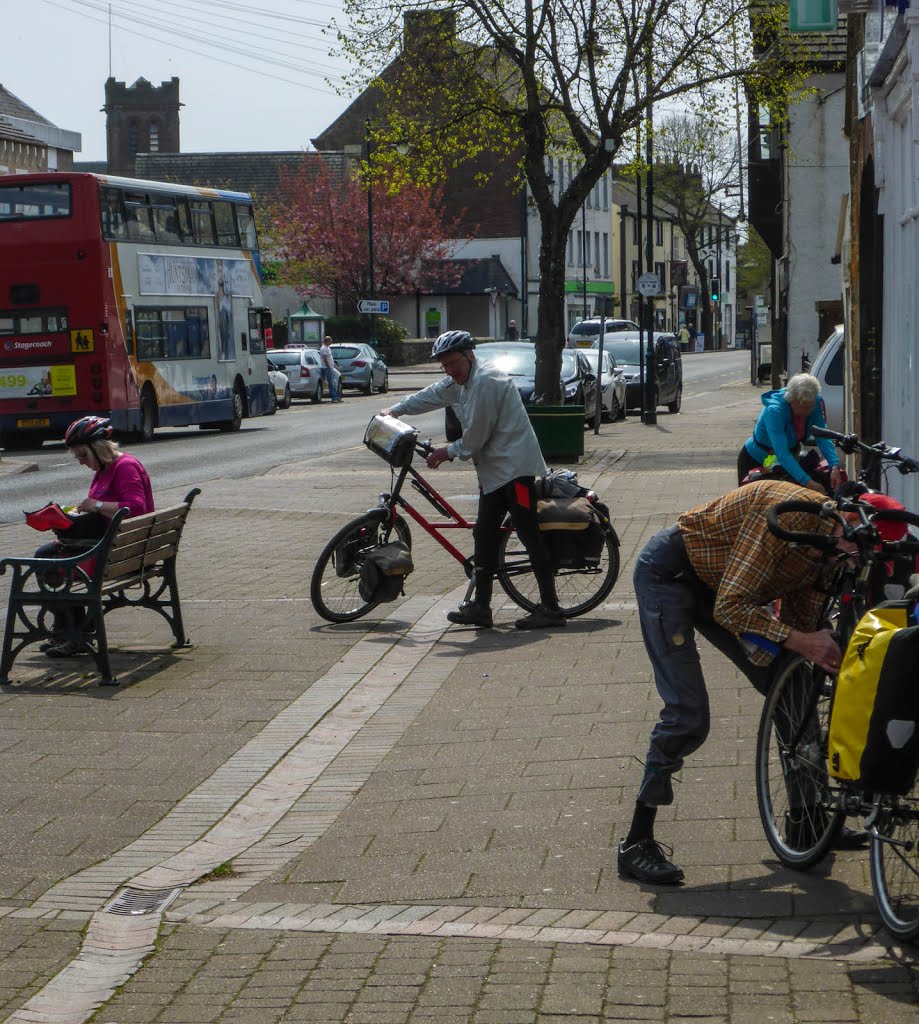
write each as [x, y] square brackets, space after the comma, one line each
[499, 438]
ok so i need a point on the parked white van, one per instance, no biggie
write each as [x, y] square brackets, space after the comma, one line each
[830, 369]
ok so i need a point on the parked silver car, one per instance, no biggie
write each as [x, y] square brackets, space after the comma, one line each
[302, 367]
[361, 367]
[612, 400]
[585, 333]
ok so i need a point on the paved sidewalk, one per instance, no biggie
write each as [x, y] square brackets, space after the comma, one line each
[395, 820]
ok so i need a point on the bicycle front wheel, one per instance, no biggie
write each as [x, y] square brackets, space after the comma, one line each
[335, 584]
[792, 785]
[895, 865]
[578, 589]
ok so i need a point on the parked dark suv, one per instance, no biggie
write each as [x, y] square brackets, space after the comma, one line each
[668, 366]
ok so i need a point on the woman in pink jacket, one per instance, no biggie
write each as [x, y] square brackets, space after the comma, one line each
[119, 481]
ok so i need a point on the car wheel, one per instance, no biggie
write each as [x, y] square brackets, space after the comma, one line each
[316, 396]
[674, 406]
[615, 412]
[272, 401]
[287, 399]
[368, 387]
[385, 386]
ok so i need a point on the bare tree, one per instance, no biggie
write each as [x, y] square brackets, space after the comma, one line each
[538, 79]
[699, 167]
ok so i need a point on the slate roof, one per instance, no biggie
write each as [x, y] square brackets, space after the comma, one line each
[13, 106]
[476, 276]
[256, 173]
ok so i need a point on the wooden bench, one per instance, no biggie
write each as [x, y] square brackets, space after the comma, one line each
[132, 566]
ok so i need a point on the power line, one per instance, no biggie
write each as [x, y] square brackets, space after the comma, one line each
[101, 18]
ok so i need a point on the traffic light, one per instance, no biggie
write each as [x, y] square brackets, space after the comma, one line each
[716, 290]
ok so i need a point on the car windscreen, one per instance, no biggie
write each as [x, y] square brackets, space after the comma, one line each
[586, 329]
[286, 358]
[592, 356]
[569, 363]
[515, 362]
[622, 351]
[345, 351]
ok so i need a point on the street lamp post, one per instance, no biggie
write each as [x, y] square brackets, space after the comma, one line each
[650, 409]
[584, 252]
[373, 294]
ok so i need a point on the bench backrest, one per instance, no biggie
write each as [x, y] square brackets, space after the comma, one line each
[144, 541]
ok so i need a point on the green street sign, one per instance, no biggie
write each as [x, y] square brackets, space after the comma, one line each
[813, 15]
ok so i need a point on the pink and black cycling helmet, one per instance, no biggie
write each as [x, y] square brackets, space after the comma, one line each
[86, 430]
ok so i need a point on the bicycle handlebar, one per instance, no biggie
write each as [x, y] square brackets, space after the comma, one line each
[850, 443]
[821, 541]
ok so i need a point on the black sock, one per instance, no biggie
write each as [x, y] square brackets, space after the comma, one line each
[642, 824]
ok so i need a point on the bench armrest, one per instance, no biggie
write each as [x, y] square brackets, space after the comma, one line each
[66, 561]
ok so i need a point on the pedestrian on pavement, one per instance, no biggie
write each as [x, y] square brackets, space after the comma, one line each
[119, 481]
[498, 436]
[716, 571]
[684, 337]
[328, 368]
[511, 333]
[782, 427]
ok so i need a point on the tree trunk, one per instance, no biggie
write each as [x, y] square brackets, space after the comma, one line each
[551, 326]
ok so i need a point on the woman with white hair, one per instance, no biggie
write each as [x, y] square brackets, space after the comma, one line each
[784, 423]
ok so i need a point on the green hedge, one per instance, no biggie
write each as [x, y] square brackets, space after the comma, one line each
[357, 328]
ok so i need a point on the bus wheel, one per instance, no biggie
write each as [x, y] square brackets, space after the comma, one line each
[147, 416]
[239, 410]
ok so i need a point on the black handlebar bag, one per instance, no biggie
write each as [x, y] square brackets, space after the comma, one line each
[874, 717]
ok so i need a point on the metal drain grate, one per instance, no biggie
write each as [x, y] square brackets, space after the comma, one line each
[133, 902]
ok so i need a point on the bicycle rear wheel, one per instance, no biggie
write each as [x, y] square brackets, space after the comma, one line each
[895, 865]
[334, 587]
[579, 590]
[792, 785]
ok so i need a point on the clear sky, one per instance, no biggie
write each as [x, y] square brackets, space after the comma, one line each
[254, 75]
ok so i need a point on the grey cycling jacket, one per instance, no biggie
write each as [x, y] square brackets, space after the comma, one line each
[497, 433]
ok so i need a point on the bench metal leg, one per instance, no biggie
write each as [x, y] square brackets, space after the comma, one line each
[178, 626]
[6, 659]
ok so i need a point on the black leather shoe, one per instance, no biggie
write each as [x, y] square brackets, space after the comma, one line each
[644, 861]
[470, 613]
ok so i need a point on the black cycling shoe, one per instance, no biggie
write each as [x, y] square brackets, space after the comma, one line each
[66, 649]
[851, 839]
[471, 613]
[542, 618]
[644, 861]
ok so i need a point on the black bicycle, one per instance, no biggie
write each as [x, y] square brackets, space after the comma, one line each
[801, 806]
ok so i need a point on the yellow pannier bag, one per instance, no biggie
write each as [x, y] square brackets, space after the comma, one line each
[874, 738]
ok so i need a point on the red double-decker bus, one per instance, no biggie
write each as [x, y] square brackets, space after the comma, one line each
[136, 300]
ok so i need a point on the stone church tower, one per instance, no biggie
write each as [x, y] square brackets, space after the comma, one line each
[140, 118]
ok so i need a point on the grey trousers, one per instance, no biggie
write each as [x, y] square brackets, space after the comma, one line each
[672, 604]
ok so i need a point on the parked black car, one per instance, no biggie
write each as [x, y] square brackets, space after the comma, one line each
[518, 360]
[668, 368]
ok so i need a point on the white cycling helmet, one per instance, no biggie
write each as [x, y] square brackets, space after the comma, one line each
[452, 341]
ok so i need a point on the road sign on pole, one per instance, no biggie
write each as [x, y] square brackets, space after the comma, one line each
[649, 284]
[373, 306]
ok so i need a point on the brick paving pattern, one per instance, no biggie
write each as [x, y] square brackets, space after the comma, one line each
[396, 821]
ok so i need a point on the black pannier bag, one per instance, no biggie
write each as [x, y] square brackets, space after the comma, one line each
[383, 571]
[874, 719]
[572, 532]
